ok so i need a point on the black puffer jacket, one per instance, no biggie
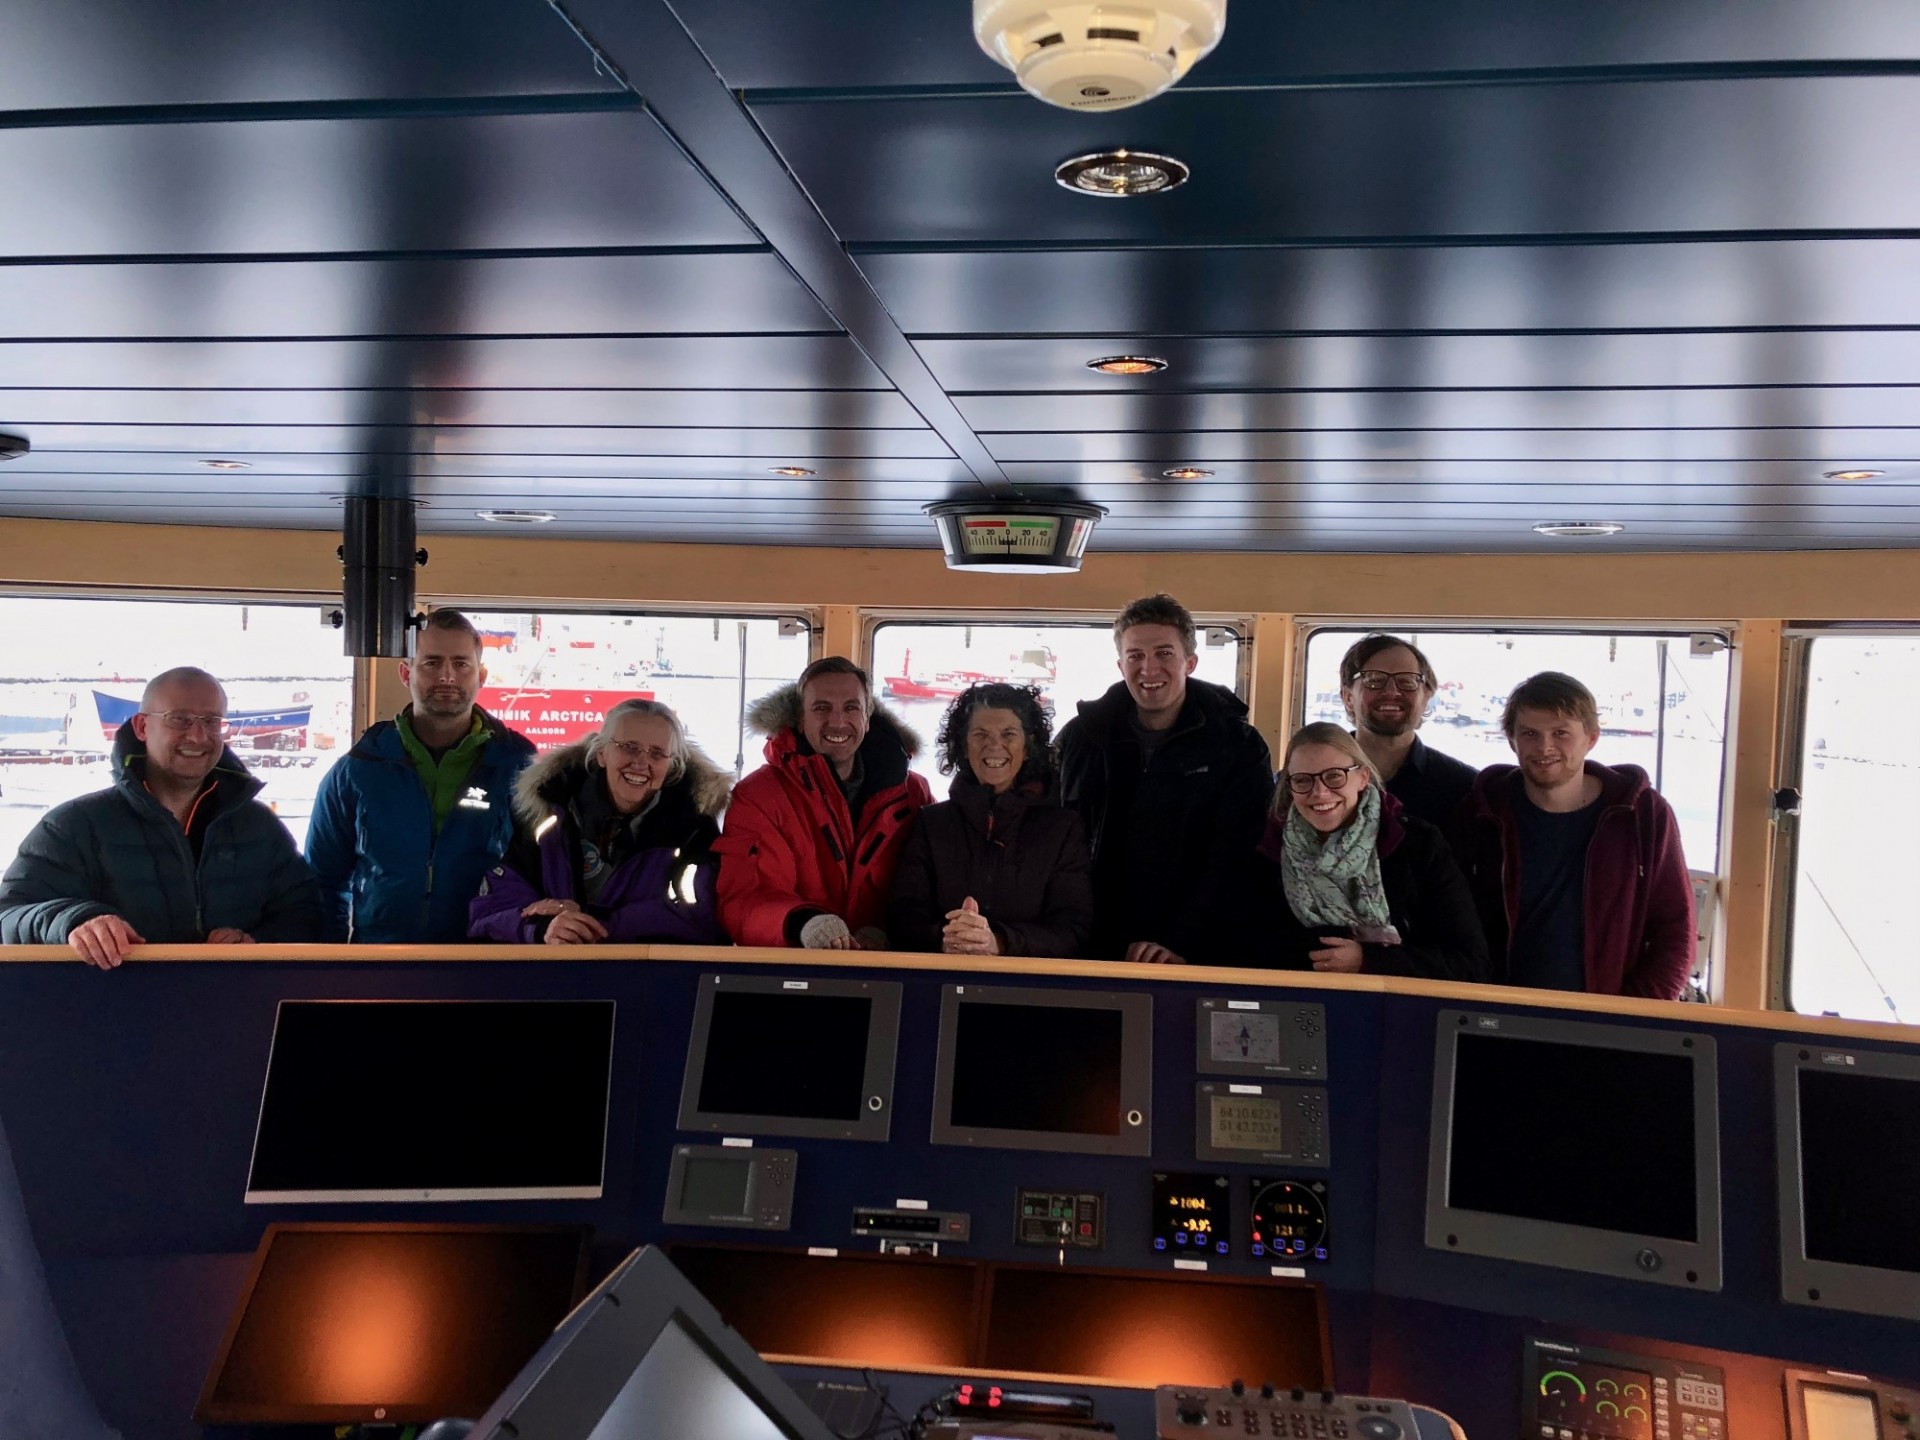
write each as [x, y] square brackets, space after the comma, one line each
[1172, 842]
[1021, 857]
[1427, 900]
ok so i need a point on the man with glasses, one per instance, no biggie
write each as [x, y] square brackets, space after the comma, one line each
[421, 808]
[1386, 683]
[177, 851]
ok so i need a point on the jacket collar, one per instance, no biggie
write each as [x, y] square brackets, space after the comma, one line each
[550, 784]
[1494, 789]
[128, 767]
[1205, 702]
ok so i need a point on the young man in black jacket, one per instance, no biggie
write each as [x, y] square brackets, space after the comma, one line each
[1173, 784]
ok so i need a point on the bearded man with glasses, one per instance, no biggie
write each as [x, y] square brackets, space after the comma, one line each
[177, 851]
[1385, 684]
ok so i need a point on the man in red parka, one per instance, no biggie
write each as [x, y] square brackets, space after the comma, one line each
[811, 840]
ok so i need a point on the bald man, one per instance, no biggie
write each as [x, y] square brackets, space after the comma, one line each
[177, 851]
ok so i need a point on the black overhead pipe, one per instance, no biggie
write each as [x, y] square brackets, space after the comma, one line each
[378, 559]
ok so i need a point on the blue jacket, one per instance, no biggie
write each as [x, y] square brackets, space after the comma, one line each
[385, 877]
[120, 852]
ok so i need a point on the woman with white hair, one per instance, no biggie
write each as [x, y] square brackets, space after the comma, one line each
[613, 841]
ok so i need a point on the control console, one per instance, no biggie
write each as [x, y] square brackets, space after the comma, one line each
[1183, 1412]
[1582, 1392]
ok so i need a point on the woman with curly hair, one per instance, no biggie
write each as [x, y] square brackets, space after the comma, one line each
[1000, 868]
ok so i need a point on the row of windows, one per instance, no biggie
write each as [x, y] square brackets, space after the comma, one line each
[73, 667]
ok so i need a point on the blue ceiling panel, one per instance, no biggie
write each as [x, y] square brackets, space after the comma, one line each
[726, 292]
[1620, 159]
[62, 54]
[1689, 285]
[560, 442]
[885, 44]
[271, 186]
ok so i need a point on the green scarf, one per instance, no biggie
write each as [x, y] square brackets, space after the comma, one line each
[1335, 879]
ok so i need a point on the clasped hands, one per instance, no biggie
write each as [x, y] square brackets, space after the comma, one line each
[967, 932]
[570, 924]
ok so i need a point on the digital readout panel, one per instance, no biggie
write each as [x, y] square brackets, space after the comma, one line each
[1281, 1038]
[1190, 1214]
[1269, 1124]
[1596, 1400]
[1288, 1218]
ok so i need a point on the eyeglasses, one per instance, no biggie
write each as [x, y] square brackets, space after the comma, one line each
[181, 722]
[631, 750]
[1332, 779]
[1405, 681]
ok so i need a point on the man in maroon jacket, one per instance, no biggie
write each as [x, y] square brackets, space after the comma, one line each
[1575, 866]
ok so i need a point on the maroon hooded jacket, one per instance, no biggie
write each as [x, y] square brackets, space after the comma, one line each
[1639, 899]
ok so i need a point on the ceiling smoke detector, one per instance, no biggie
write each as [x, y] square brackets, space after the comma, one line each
[1103, 56]
[12, 447]
[1120, 174]
[516, 517]
[1578, 529]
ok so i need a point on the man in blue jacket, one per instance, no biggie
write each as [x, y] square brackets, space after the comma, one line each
[177, 851]
[422, 807]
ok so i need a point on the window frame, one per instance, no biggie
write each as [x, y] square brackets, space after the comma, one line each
[1797, 638]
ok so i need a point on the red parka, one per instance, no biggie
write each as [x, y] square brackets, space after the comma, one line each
[1639, 897]
[790, 843]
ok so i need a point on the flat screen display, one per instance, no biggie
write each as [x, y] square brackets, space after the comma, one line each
[1860, 1169]
[1246, 1039]
[1033, 1067]
[1044, 1069]
[716, 1187]
[1835, 1414]
[396, 1323]
[1246, 1122]
[1582, 1145]
[772, 1055]
[1574, 1134]
[434, 1100]
[799, 1055]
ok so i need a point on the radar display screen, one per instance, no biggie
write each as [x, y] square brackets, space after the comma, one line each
[1190, 1214]
[1574, 1134]
[1858, 1184]
[1251, 1038]
[795, 1054]
[1037, 1067]
[1247, 1122]
[1596, 1400]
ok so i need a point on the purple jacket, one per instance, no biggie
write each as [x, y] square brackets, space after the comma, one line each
[661, 889]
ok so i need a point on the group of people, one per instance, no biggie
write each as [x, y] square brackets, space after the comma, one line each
[1152, 829]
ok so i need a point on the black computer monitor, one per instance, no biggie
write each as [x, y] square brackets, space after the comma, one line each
[1579, 1145]
[1058, 1070]
[389, 1323]
[645, 1357]
[789, 1055]
[1849, 1176]
[369, 1100]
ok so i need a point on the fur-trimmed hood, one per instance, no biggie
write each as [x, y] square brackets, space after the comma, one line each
[547, 785]
[780, 710]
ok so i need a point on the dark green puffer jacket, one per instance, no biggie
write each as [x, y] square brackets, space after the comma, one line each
[119, 851]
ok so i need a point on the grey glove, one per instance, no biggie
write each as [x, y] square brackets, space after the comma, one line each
[822, 930]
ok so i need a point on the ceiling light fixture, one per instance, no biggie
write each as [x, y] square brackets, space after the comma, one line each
[12, 447]
[1853, 474]
[792, 472]
[228, 464]
[1127, 364]
[1578, 529]
[1186, 472]
[516, 517]
[1122, 174]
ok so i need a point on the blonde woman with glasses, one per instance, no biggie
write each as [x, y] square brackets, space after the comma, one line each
[613, 841]
[1345, 881]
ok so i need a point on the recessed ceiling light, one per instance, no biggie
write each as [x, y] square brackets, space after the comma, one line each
[1186, 472]
[12, 447]
[1853, 474]
[1127, 364]
[1578, 529]
[516, 517]
[1120, 174]
[792, 472]
[228, 464]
